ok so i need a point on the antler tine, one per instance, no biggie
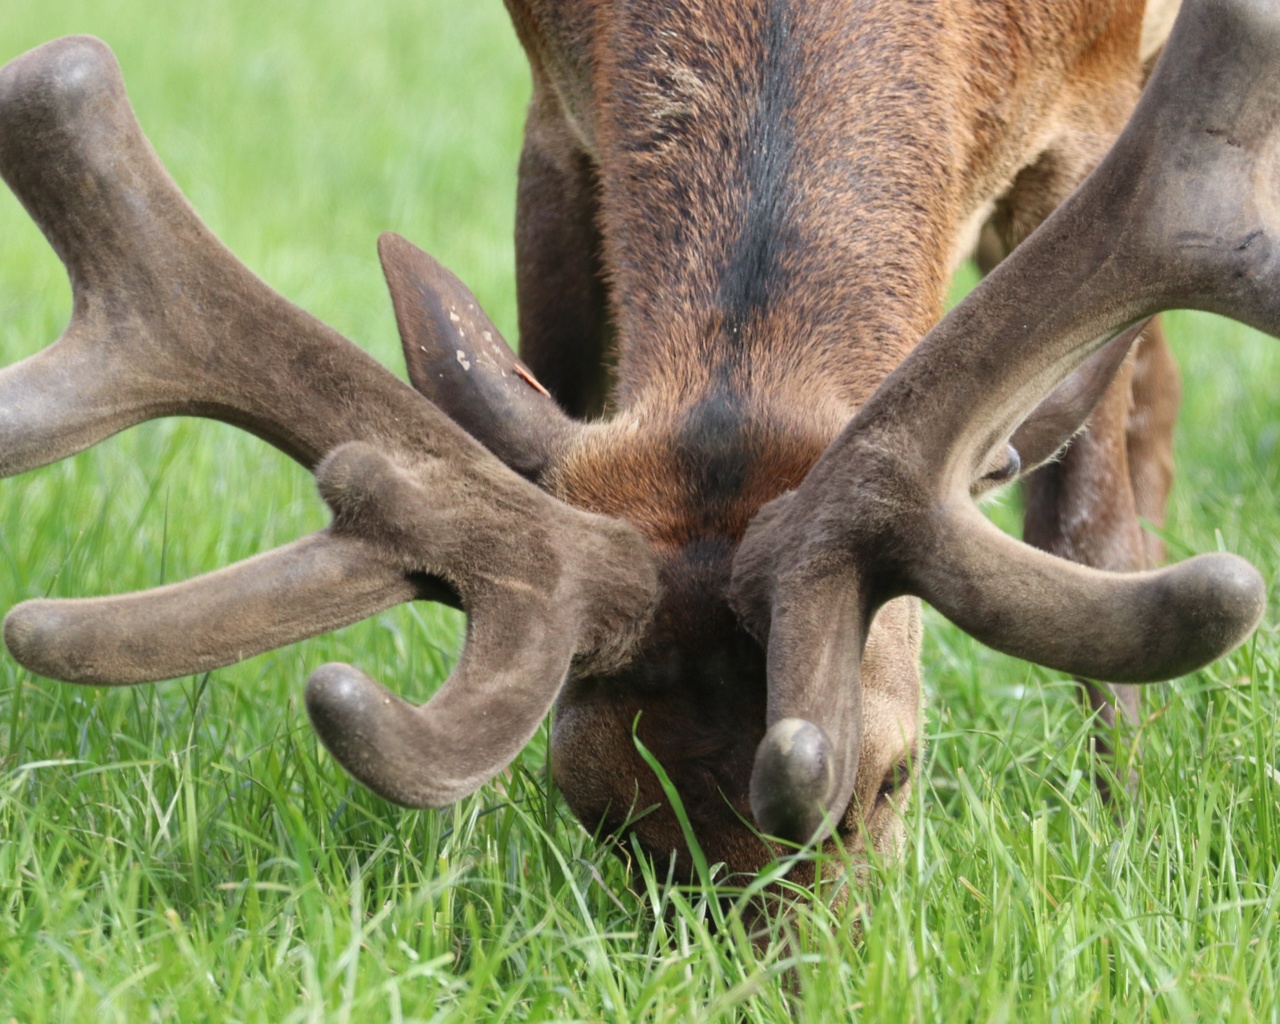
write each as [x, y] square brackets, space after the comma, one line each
[1181, 213]
[806, 765]
[166, 321]
[311, 586]
[561, 587]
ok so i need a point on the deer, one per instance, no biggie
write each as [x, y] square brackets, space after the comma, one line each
[699, 512]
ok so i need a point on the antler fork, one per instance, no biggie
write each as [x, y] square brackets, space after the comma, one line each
[1184, 212]
[167, 322]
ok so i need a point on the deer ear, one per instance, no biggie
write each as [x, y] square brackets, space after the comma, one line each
[457, 359]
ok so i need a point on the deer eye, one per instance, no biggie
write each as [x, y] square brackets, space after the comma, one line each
[896, 778]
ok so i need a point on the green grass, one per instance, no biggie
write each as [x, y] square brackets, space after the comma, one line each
[188, 852]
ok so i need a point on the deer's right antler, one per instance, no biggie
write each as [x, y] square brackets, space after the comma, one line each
[167, 322]
[1183, 213]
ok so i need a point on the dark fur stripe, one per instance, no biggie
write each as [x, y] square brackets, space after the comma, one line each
[756, 273]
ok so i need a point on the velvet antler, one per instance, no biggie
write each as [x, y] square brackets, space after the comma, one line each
[167, 322]
[1182, 213]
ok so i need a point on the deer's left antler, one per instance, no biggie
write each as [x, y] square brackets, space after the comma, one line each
[1183, 213]
[167, 322]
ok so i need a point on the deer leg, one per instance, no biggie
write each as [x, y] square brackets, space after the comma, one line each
[1157, 393]
[1084, 507]
[562, 297]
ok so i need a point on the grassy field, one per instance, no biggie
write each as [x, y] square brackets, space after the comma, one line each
[188, 852]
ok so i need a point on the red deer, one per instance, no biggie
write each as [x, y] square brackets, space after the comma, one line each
[735, 226]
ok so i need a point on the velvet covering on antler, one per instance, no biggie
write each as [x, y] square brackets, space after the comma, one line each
[1183, 213]
[167, 322]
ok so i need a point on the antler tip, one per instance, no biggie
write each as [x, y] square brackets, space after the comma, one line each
[1231, 597]
[390, 241]
[33, 633]
[338, 695]
[792, 780]
[403, 262]
[364, 726]
[64, 70]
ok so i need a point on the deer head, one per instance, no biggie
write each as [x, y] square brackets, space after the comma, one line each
[473, 491]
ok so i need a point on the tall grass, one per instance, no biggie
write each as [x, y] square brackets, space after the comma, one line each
[188, 852]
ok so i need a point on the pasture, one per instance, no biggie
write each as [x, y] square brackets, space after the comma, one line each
[189, 852]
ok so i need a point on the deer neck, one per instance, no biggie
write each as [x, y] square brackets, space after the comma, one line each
[759, 225]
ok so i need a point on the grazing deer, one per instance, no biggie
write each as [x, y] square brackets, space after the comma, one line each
[735, 226]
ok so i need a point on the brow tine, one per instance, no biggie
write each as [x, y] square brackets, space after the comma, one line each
[314, 585]
[541, 589]
[439, 752]
[166, 321]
